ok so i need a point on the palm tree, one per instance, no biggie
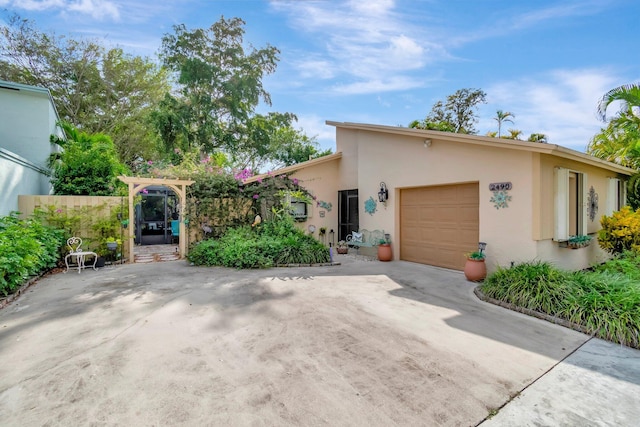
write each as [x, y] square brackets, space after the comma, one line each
[513, 134]
[628, 94]
[620, 141]
[503, 117]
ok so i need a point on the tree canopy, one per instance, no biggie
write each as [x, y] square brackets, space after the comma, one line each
[218, 88]
[458, 114]
[87, 166]
[96, 89]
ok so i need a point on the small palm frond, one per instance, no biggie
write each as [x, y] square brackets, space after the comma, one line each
[629, 94]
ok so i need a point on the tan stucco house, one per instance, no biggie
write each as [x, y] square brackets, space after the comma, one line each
[448, 192]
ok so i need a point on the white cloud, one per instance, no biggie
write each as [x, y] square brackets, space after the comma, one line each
[315, 68]
[314, 126]
[35, 4]
[388, 84]
[510, 22]
[97, 9]
[370, 45]
[560, 104]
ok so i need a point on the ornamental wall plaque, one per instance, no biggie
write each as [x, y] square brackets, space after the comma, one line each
[592, 204]
[500, 199]
[370, 206]
[325, 205]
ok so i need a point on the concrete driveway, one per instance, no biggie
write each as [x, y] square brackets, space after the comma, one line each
[364, 343]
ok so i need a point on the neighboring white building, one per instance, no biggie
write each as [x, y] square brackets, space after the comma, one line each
[28, 118]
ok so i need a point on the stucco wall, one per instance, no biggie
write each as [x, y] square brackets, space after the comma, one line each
[322, 181]
[17, 179]
[550, 250]
[521, 232]
[404, 162]
[28, 119]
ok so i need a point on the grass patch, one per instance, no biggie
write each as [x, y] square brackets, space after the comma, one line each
[605, 301]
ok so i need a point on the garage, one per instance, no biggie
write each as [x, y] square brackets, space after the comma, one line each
[439, 224]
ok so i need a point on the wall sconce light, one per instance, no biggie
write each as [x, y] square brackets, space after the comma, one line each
[331, 238]
[481, 246]
[383, 194]
[427, 143]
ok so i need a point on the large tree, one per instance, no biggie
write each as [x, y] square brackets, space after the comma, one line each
[219, 86]
[96, 89]
[458, 114]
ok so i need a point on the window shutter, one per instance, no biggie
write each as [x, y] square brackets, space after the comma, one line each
[612, 196]
[584, 202]
[561, 204]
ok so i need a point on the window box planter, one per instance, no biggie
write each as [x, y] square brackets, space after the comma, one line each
[576, 242]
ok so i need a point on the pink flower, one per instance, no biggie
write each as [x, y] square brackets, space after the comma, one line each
[144, 191]
[149, 162]
[259, 180]
[58, 210]
[295, 181]
[255, 197]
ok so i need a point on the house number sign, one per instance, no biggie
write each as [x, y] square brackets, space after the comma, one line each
[500, 186]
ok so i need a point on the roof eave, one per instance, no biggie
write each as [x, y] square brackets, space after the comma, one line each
[293, 168]
[544, 148]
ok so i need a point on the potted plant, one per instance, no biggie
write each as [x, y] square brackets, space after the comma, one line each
[475, 269]
[342, 247]
[112, 243]
[384, 250]
[580, 241]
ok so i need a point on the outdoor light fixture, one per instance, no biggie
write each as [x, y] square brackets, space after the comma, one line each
[481, 246]
[331, 237]
[383, 194]
[427, 143]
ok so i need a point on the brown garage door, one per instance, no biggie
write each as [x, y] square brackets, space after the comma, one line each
[439, 224]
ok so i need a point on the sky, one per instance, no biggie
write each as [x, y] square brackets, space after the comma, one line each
[387, 62]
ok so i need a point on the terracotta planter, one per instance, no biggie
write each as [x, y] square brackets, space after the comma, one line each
[384, 252]
[475, 270]
[342, 250]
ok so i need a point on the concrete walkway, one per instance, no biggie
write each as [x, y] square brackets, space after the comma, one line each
[598, 385]
[364, 343]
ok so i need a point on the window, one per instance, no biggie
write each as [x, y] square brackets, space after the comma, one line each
[616, 195]
[298, 209]
[570, 204]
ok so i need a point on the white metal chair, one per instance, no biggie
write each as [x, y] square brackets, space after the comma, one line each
[75, 250]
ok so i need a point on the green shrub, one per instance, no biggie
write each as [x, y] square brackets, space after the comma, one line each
[621, 231]
[534, 285]
[271, 243]
[606, 301]
[607, 304]
[26, 248]
[627, 263]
